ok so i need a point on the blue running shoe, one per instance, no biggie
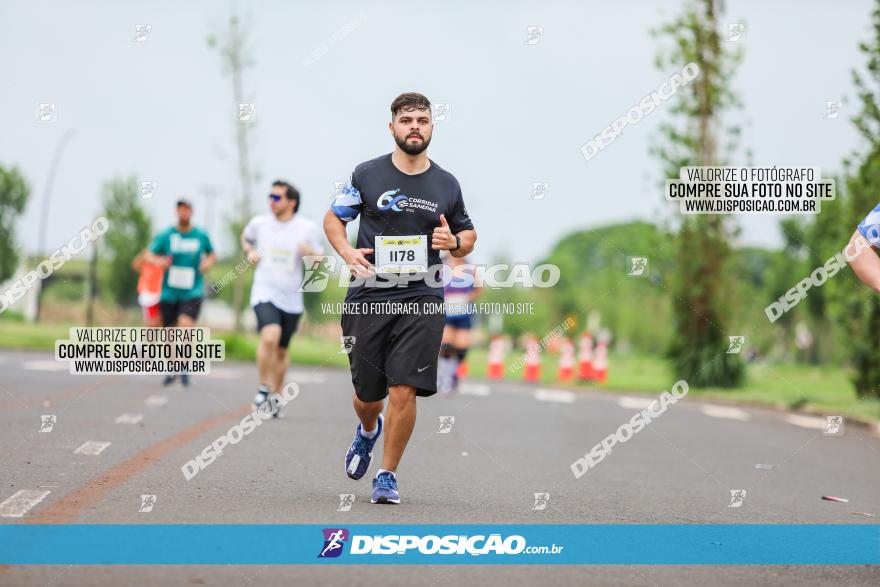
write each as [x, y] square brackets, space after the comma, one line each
[385, 488]
[357, 461]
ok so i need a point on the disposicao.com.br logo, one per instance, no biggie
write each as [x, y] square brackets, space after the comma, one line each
[334, 540]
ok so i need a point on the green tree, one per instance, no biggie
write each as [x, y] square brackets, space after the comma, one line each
[14, 192]
[593, 275]
[809, 242]
[860, 307]
[703, 289]
[129, 232]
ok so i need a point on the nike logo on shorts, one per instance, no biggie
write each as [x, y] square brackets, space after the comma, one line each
[423, 368]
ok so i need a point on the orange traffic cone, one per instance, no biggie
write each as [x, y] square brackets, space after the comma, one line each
[496, 358]
[566, 360]
[585, 357]
[532, 371]
[600, 365]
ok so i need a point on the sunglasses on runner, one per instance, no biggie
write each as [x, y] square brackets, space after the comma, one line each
[275, 197]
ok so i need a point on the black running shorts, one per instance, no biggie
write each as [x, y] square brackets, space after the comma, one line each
[395, 343]
[171, 311]
[267, 313]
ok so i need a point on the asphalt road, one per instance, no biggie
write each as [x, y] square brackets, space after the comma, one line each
[508, 441]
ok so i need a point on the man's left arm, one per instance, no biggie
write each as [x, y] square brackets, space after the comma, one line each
[458, 244]
[468, 239]
[458, 225]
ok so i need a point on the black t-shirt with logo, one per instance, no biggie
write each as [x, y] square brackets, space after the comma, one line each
[392, 203]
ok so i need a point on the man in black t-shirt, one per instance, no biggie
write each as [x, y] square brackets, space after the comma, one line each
[410, 209]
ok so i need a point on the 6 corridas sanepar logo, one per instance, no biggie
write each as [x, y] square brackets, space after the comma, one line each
[335, 540]
[393, 200]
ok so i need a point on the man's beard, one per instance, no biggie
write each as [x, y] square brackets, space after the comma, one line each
[412, 149]
[183, 223]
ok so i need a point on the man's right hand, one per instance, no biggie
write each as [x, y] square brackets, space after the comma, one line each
[253, 256]
[357, 262]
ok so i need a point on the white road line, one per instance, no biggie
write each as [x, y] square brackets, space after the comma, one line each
[725, 412]
[21, 501]
[91, 448]
[475, 389]
[45, 366]
[554, 395]
[156, 400]
[227, 374]
[635, 403]
[806, 421]
[307, 377]
[129, 419]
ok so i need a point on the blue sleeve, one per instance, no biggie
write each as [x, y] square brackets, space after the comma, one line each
[870, 227]
[347, 204]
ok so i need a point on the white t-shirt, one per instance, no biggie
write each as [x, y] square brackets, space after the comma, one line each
[279, 274]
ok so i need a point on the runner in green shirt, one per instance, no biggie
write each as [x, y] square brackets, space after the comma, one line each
[186, 253]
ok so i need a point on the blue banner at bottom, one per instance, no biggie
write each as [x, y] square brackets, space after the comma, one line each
[276, 544]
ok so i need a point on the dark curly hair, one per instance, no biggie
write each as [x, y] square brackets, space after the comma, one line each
[408, 102]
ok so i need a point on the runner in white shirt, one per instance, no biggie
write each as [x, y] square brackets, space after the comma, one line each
[276, 243]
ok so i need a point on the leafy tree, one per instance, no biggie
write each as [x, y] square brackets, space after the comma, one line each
[129, 232]
[703, 289]
[860, 307]
[809, 242]
[594, 275]
[594, 269]
[14, 192]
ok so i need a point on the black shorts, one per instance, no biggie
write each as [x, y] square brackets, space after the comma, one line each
[267, 313]
[396, 347]
[171, 311]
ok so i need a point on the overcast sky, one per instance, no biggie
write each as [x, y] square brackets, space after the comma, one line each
[162, 109]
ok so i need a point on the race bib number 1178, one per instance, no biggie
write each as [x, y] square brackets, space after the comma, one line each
[401, 254]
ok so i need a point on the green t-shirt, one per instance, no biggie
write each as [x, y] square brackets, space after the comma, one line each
[182, 280]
